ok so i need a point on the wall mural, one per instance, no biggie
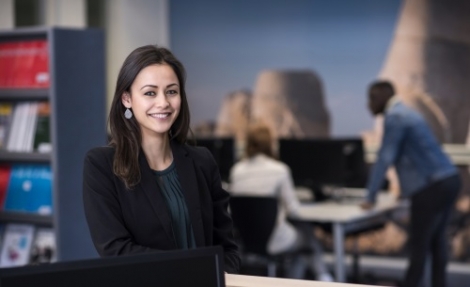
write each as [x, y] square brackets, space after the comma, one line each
[429, 62]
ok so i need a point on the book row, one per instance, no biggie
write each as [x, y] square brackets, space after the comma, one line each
[24, 64]
[26, 188]
[25, 126]
[25, 244]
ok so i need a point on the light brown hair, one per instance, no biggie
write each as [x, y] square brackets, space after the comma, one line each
[259, 140]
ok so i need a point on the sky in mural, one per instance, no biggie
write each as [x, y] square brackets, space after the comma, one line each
[225, 44]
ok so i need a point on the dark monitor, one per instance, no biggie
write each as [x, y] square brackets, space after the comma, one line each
[316, 162]
[223, 150]
[202, 267]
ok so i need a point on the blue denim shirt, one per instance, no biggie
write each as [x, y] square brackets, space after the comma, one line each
[409, 144]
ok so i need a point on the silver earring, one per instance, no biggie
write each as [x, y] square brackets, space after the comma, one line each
[128, 114]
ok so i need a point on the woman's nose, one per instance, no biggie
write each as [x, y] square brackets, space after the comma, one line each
[161, 101]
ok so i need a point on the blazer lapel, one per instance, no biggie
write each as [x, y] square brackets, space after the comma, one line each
[151, 189]
[188, 180]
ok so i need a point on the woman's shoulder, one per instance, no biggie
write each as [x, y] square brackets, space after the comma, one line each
[98, 162]
[273, 163]
[280, 165]
[197, 152]
[261, 162]
[100, 152]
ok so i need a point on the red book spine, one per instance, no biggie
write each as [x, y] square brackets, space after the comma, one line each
[5, 171]
[24, 64]
[40, 69]
[24, 55]
[7, 63]
[3, 64]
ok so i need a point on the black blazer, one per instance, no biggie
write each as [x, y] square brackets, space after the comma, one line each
[123, 221]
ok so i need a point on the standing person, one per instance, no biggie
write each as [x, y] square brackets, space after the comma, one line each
[260, 174]
[148, 190]
[426, 175]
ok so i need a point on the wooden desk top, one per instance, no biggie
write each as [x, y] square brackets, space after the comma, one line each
[345, 212]
[232, 280]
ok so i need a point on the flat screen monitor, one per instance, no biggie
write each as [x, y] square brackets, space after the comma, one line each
[313, 162]
[223, 150]
[202, 267]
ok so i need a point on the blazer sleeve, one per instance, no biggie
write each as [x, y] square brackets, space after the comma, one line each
[223, 225]
[102, 209]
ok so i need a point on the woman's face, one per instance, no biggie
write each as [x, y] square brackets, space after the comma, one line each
[155, 99]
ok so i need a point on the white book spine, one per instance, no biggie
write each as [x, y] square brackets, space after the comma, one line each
[30, 127]
[23, 125]
[14, 128]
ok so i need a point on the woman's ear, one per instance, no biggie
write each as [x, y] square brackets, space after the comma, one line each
[126, 100]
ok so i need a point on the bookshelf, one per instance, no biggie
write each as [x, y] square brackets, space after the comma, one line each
[20, 217]
[24, 95]
[76, 96]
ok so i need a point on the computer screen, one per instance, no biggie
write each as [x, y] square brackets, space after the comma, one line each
[325, 161]
[202, 267]
[223, 150]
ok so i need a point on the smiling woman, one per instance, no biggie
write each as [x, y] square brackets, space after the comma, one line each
[155, 101]
[148, 190]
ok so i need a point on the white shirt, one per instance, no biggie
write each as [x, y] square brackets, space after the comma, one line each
[264, 176]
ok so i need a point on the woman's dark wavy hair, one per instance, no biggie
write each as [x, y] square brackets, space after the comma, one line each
[125, 134]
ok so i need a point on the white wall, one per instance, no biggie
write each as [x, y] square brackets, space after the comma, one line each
[7, 14]
[131, 24]
[64, 13]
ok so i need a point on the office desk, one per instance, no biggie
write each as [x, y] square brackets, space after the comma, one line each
[232, 280]
[347, 217]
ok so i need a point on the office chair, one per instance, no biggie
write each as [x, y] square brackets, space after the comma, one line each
[255, 219]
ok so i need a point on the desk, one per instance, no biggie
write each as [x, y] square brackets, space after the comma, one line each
[232, 280]
[347, 217]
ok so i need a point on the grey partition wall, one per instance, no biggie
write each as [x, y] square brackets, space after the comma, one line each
[78, 99]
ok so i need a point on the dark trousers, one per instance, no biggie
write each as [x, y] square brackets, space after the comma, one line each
[430, 211]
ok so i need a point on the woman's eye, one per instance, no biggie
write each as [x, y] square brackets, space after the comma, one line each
[150, 93]
[172, 92]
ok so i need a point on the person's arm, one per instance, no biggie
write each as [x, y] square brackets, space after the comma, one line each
[394, 132]
[103, 212]
[223, 225]
[287, 193]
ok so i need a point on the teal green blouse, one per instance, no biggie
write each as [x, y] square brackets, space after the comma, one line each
[170, 186]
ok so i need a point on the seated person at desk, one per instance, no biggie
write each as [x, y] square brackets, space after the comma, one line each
[426, 175]
[259, 174]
